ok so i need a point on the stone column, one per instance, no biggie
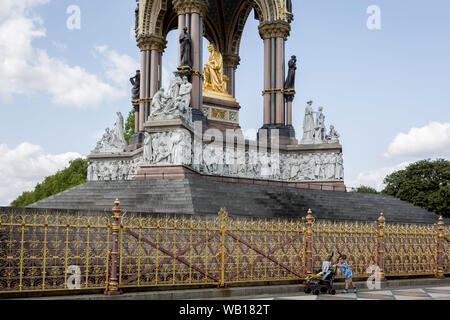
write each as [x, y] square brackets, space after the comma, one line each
[267, 86]
[154, 72]
[181, 25]
[196, 79]
[274, 33]
[141, 114]
[152, 48]
[193, 12]
[230, 64]
[279, 78]
[289, 100]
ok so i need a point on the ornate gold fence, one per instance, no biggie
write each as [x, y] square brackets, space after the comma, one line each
[40, 252]
[358, 241]
[410, 250]
[171, 251]
[56, 251]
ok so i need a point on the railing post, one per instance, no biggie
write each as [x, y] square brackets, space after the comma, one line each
[439, 249]
[308, 244]
[222, 215]
[112, 287]
[380, 246]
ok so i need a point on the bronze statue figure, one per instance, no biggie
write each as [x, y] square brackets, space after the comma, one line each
[290, 79]
[136, 90]
[289, 6]
[186, 48]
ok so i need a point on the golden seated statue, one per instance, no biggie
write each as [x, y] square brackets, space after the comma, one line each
[214, 81]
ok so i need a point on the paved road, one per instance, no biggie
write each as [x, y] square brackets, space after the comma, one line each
[422, 293]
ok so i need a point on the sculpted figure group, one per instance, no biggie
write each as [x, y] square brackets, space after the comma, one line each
[314, 130]
[174, 104]
[113, 140]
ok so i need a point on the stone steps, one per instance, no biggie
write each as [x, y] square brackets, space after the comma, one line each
[206, 197]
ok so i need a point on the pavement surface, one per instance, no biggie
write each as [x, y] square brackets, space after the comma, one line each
[427, 293]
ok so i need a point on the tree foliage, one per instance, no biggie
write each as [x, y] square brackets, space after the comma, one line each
[425, 184]
[129, 125]
[64, 179]
[366, 189]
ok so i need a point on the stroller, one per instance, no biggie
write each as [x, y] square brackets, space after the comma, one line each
[323, 281]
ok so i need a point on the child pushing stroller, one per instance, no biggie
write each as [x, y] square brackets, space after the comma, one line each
[323, 281]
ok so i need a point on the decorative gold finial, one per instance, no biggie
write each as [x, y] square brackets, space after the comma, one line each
[381, 219]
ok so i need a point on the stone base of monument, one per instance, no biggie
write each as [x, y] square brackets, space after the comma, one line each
[286, 133]
[171, 172]
[222, 110]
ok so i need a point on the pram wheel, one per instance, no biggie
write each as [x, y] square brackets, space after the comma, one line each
[308, 290]
[332, 291]
[316, 292]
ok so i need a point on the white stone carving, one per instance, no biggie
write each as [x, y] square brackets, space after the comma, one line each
[175, 104]
[314, 131]
[308, 125]
[323, 166]
[106, 170]
[333, 136]
[112, 141]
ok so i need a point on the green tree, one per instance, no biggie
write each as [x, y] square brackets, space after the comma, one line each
[129, 125]
[365, 189]
[424, 183]
[67, 178]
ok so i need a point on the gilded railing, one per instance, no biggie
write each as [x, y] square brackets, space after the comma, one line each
[54, 251]
[357, 240]
[446, 251]
[167, 251]
[410, 250]
[40, 252]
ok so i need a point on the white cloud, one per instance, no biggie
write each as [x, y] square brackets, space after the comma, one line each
[374, 178]
[26, 70]
[428, 141]
[119, 67]
[25, 166]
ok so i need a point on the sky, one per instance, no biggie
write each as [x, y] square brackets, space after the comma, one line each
[386, 90]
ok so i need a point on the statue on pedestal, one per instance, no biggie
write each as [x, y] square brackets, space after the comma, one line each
[290, 79]
[308, 125]
[186, 48]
